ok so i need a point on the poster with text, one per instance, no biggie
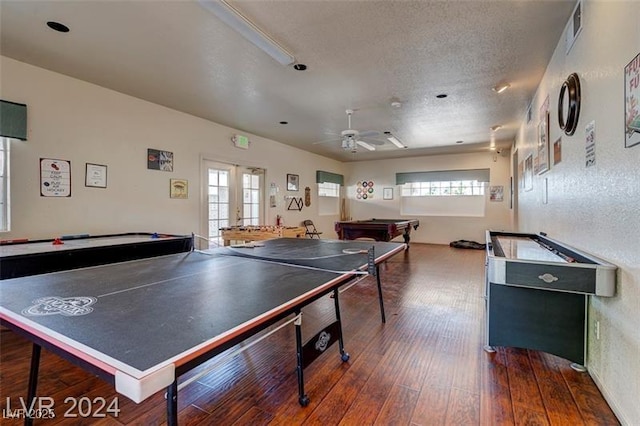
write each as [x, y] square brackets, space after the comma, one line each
[631, 101]
[55, 178]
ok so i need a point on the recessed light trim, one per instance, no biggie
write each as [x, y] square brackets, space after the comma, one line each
[284, 122]
[459, 141]
[299, 67]
[441, 96]
[57, 26]
[496, 127]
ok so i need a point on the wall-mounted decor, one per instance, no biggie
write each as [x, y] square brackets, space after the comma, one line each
[528, 173]
[179, 188]
[293, 182]
[557, 151]
[387, 193]
[590, 144]
[364, 189]
[543, 144]
[55, 178]
[295, 203]
[632, 103]
[496, 193]
[95, 175]
[569, 104]
[159, 160]
[307, 196]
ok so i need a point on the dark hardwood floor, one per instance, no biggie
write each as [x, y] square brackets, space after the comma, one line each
[425, 366]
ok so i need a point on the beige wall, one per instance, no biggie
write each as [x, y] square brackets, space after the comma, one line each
[433, 229]
[73, 120]
[597, 209]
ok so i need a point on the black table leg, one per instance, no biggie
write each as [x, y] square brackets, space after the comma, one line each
[302, 398]
[343, 355]
[33, 381]
[172, 404]
[384, 319]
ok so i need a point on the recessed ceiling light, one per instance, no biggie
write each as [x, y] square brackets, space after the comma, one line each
[496, 127]
[459, 141]
[284, 122]
[299, 67]
[396, 104]
[57, 26]
[501, 87]
[442, 95]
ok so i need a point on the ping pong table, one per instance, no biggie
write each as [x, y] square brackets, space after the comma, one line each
[19, 258]
[141, 324]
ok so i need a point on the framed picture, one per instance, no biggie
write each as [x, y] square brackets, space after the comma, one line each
[387, 193]
[632, 103]
[528, 173]
[496, 193]
[179, 188]
[543, 145]
[293, 182]
[95, 175]
[55, 177]
[159, 160]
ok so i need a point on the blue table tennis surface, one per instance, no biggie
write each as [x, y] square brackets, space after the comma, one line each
[138, 317]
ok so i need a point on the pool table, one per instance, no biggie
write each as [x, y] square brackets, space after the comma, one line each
[378, 229]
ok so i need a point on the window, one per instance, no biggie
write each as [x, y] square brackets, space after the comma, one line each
[250, 199]
[218, 200]
[443, 193]
[328, 192]
[4, 185]
[443, 188]
[328, 189]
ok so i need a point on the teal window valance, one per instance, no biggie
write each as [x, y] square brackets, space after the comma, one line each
[481, 175]
[13, 120]
[328, 177]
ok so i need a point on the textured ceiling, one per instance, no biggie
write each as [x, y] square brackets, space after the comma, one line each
[361, 55]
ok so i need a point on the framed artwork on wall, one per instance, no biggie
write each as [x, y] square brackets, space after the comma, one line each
[632, 103]
[293, 182]
[95, 175]
[387, 194]
[179, 188]
[543, 144]
[528, 173]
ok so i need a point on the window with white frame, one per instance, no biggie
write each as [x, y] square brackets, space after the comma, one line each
[328, 192]
[443, 193]
[328, 189]
[4, 185]
[443, 188]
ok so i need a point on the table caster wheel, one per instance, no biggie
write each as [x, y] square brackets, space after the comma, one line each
[304, 400]
[345, 357]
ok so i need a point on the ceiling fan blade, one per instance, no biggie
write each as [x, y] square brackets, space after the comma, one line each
[370, 141]
[366, 145]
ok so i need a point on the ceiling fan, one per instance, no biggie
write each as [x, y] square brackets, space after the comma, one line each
[352, 138]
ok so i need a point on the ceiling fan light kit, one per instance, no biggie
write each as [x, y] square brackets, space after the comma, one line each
[238, 22]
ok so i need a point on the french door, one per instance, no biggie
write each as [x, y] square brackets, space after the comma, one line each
[233, 196]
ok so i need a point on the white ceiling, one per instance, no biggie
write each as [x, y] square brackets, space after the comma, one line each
[361, 55]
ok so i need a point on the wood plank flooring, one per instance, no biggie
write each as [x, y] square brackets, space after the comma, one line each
[425, 366]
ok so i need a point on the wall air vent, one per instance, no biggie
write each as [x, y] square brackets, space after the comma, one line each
[574, 27]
